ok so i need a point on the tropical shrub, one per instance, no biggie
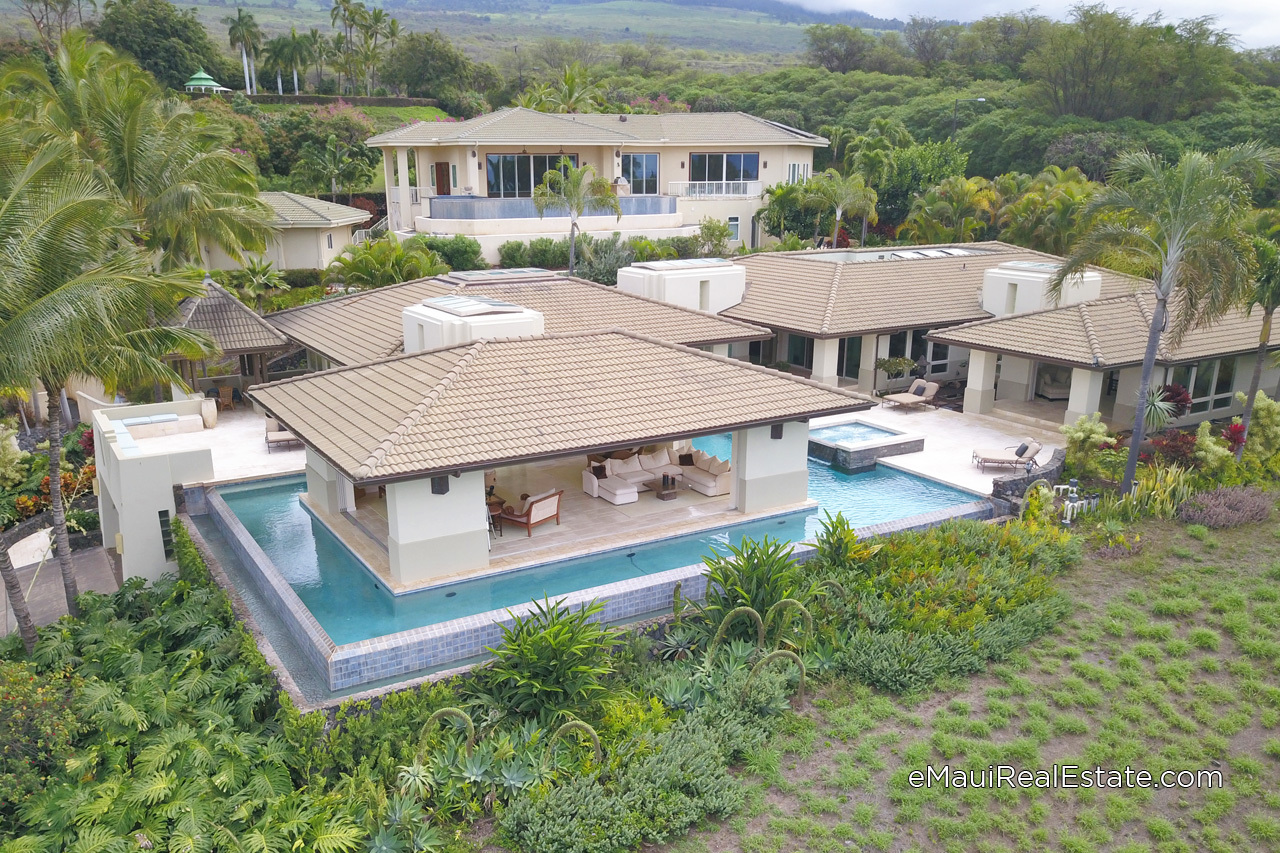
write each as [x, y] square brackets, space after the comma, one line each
[383, 262]
[550, 665]
[1085, 438]
[1212, 454]
[605, 257]
[1228, 506]
[513, 254]
[548, 253]
[758, 575]
[1264, 427]
[297, 279]
[1175, 447]
[13, 460]
[460, 252]
[37, 728]
[179, 741]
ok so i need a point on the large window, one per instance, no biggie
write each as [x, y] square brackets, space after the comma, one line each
[717, 168]
[800, 351]
[515, 175]
[641, 172]
[1211, 383]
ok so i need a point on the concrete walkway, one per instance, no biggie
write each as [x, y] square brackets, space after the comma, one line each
[46, 599]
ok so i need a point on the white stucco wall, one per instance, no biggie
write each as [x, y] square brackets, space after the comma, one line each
[434, 536]
[770, 472]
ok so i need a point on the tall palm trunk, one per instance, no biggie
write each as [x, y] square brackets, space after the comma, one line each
[244, 58]
[279, 83]
[573, 244]
[1140, 419]
[17, 601]
[253, 71]
[863, 241]
[62, 540]
[295, 80]
[835, 229]
[1264, 338]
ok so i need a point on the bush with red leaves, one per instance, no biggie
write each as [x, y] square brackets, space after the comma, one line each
[1176, 448]
[1228, 506]
[1234, 434]
[1178, 396]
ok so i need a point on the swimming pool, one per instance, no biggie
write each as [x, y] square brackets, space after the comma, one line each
[851, 433]
[351, 605]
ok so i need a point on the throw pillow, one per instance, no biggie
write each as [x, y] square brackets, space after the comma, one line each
[698, 456]
[629, 465]
[686, 460]
[650, 461]
[918, 390]
[1022, 448]
[599, 472]
[718, 466]
[704, 463]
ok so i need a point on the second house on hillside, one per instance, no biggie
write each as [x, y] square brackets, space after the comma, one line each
[669, 171]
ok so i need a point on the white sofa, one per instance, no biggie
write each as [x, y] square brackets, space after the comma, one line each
[708, 474]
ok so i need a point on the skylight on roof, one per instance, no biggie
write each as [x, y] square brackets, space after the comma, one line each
[868, 256]
[484, 276]
[685, 263]
[471, 306]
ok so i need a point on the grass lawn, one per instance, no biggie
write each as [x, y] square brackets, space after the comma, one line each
[1169, 661]
[384, 118]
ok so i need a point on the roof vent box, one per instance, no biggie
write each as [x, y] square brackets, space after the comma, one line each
[702, 284]
[1016, 287]
[452, 321]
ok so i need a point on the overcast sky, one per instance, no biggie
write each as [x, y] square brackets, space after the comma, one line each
[1256, 23]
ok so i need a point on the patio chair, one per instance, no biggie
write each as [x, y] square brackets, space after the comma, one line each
[277, 436]
[1009, 457]
[534, 510]
[225, 399]
[918, 394]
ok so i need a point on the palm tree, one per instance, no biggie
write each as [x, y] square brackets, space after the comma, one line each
[1179, 225]
[577, 190]
[243, 32]
[574, 92]
[367, 55]
[74, 292]
[333, 166]
[275, 57]
[383, 262]
[780, 199]
[318, 49]
[183, 184]
[955, 211]
[18, 602]
[258, 280]
[845, 195]
[1266, 295]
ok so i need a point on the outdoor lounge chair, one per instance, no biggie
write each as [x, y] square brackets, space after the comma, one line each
[1010, 457]
[535, 510]
[919, 393]
[277, 436]
[226, 398]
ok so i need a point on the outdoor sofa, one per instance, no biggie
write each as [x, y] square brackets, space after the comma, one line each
[918, 394]
[620, 480]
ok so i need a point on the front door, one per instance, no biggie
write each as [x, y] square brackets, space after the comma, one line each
[442, 179]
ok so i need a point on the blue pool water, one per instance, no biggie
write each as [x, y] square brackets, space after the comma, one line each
[852, 433]
[351, 605]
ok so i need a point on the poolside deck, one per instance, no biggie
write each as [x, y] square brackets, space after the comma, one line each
[238, 446]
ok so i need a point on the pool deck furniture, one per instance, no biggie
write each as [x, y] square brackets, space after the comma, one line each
[538, 509]
[277, 436]
[1009, 457]
[225, 398]
[920, 393]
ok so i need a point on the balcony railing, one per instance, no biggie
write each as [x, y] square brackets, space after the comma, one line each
[715, 189]
[480, 207]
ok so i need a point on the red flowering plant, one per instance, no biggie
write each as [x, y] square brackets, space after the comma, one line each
[1178, 397]
[1234, 434]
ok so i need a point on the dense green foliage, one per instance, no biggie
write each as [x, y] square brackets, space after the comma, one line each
[169, 43]
[383, 262]
[37, 726]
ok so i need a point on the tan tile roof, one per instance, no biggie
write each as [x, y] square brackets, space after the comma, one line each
[793, 292]
[357, 328]
[368, 326]
[300, 211]
[516, 125]
[1103, 333]
[501, 401]
[233, 325]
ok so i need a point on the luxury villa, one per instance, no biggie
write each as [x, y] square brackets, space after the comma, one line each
[670, 171]
[457, 446]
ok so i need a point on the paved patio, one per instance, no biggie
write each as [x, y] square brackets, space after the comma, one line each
[238, 444]
[42, 585]
[950, 439]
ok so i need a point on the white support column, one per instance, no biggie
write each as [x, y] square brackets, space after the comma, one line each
[322, 483]
[826, 358]
[1086, 393]
[980, 391]
[1015, 378]
[431, 536]
[771, 472]
[867, 364]
[402, 190]
[1127, 385]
